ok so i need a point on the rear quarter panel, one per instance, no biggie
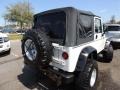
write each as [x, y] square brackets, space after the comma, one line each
[69, 65]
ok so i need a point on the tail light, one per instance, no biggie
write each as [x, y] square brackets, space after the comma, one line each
[65, 55]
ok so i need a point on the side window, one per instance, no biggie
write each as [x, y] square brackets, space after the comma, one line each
[85, 22]
[82, 34]
[98, 26]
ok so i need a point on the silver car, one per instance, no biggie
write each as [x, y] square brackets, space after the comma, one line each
[113, 34]
[4, 44]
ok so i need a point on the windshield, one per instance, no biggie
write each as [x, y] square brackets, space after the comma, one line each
[113, 28]
[54, 24]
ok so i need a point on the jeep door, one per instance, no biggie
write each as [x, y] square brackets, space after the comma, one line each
[98, 34]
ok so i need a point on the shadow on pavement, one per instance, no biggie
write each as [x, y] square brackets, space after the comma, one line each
[29, 78]
[3, 54]
[116, 47]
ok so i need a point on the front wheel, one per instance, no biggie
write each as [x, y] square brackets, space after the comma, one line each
[86, 80]
[108, 54]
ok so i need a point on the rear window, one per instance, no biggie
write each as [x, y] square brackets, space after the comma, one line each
[113, 28]
[54, 24]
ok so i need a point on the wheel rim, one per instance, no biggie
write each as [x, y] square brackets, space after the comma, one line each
[30, 50]
[93, 78]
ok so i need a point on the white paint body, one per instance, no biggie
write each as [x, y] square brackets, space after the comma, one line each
[69, 65]
[4, 46]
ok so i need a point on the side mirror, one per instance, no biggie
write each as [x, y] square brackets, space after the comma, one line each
[104, 28]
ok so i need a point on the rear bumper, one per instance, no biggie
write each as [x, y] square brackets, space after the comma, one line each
[66, 77]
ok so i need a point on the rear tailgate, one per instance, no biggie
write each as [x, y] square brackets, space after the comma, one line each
[57, 54]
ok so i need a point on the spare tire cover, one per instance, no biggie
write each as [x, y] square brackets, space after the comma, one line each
[36, 48]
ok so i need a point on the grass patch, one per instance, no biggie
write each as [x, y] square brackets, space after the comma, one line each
[15, 36]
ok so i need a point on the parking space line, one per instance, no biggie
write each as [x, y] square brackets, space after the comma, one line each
[14, 55]
[12, 60]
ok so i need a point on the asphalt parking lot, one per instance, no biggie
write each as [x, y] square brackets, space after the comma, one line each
[15, 76]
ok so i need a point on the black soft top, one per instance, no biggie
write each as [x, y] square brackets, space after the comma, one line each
[72, 16]
[66, 9]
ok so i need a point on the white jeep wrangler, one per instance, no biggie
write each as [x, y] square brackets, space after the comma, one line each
[4, 43]
[66, 43]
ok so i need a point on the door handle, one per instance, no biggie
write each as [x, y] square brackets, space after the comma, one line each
[96, 36]
[102, 34]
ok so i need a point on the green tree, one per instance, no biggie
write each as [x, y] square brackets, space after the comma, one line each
[21, 12]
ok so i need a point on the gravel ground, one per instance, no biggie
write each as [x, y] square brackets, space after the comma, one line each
[14, 76]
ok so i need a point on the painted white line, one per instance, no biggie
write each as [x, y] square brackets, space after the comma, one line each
[15, 40]
[14, 55]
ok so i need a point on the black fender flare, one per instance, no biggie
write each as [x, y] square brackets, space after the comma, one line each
[83, 57]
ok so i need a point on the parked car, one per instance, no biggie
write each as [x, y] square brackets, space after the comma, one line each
[4, 43]
[64, 45]
[8, 31]
[20, 31]
[113, 34]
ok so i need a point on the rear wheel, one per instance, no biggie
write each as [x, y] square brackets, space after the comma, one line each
[86, 80]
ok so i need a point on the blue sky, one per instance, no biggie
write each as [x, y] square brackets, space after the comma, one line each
[103, 8]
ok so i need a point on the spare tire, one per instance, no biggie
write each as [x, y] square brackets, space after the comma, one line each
[36, 48]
